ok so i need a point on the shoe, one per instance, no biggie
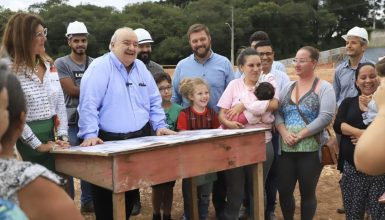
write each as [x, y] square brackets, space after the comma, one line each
[88, 207]
[271, 216]
[242, 213]
[156, 217]
[166, 217]
[341, 210]
[136, 208]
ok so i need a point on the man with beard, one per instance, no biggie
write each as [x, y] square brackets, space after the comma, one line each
[71, 69]
[144, 51]
[218, 72]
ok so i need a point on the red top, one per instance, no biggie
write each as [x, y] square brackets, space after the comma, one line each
[189, 119]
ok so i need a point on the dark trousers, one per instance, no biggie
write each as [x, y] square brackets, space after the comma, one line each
[103, 197]
[203, 192]
[304, 168]
[103, 202]
[219, 193]
[236, 181]
[271, 186]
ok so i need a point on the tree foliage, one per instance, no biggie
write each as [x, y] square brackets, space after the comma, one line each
[289, 23]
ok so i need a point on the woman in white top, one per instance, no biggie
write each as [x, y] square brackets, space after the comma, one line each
[23, 40]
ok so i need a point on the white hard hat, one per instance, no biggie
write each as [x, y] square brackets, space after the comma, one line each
[357, 32]
[76, 27]
[143, 36]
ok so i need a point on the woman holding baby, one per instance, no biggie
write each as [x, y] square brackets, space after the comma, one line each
[239, 100]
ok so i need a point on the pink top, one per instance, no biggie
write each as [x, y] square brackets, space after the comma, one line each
[237, 92]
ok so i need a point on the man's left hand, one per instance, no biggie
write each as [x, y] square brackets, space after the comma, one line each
[164, 131]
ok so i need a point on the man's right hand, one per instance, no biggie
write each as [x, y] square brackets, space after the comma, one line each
[91, 142]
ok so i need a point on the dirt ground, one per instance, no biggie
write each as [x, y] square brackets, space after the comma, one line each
[328, 196]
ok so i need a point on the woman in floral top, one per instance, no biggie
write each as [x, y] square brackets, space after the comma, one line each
[307, 106]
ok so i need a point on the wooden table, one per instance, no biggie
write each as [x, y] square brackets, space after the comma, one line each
[119, 166]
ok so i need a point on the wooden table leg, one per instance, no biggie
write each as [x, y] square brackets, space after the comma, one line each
[119, 206]
[259, 207]
[194, 215]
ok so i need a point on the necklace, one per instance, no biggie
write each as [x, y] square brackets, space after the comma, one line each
[35, 68]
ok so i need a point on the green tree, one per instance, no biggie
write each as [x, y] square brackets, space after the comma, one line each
[289, 23]
[166, 25]
[349, 13]
[4, 15]
[179, 3]
[43, 6]
[214, 14]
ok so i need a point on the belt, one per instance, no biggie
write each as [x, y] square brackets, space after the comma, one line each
[145, 131]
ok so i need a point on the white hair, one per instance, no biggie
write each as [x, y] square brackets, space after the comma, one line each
[115, 35]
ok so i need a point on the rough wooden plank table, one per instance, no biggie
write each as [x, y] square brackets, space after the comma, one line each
[121, 166]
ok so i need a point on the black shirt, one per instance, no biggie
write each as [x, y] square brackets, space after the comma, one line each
[350, 113]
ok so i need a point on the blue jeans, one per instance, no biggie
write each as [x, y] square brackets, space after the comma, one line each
[86, 195]
[204, 192]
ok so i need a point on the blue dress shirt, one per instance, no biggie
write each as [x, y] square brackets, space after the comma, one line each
[217, 71]
[345, 80]
[116, 101]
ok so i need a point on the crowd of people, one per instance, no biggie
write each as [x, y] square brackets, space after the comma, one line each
[80, 100]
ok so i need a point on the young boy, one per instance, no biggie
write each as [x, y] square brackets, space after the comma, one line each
[162, 194]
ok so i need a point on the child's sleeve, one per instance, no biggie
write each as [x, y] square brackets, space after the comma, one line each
[182, 121]
[267, 118]
[371, 113]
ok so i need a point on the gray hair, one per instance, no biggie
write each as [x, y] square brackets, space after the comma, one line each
[363, 42]
[115, 35]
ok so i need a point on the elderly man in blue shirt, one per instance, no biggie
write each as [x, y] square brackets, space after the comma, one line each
[218, 72]
[119, 99]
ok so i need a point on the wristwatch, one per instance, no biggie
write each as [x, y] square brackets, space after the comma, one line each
[63, 138]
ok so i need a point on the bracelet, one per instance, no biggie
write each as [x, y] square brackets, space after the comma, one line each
[63, 138]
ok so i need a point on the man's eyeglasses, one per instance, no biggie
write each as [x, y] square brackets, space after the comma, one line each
[300, 61]
[163, 89]
[265, 54]
[42, 34]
